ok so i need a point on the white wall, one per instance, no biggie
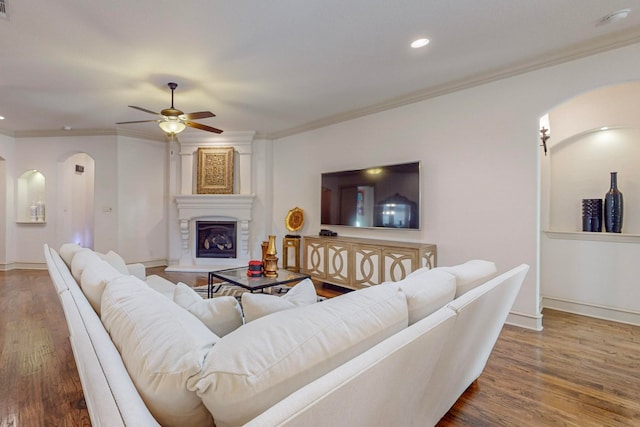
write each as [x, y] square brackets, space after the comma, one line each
[480, 154]
[129, 195]
[7, 215]
[143, 199]
[45, 155]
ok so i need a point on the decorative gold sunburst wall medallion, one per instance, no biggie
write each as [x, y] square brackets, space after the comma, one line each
[295, 219]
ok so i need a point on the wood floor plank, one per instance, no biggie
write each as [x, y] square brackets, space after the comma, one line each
[578, 371]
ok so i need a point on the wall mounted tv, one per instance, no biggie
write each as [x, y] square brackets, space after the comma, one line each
[377, 197]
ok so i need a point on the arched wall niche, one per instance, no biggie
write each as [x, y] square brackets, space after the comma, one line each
[76, 173]
[591, 273]
[31, 197]
[592, 135]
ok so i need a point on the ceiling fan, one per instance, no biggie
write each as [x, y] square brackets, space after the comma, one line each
[174, 121]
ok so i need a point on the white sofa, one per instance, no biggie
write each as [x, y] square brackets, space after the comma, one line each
[396, 354]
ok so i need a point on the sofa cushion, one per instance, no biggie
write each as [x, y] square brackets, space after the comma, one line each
[67, 251]
[93, 280]
[162, 346]
[80, 260]
[115, 260]
[259, 364]
[161, 285]
[471, 274]
[221, 314]
[426, 292]
[256, 305]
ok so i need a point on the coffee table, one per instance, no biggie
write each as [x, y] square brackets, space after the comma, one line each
[238, 276]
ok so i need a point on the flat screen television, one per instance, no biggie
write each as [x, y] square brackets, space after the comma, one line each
[376, 197]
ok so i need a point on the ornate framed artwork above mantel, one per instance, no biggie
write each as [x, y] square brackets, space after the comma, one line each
[215, 170]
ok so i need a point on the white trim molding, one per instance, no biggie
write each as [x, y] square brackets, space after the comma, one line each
[592, 310]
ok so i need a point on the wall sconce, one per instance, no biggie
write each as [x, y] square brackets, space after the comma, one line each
[544, 137]
[545, 131]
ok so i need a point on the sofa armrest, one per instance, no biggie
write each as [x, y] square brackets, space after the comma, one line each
[138, 270]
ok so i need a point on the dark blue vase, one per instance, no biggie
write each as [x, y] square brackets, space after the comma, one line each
[613, 206]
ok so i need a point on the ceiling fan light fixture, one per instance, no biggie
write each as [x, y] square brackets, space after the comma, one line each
[172, 126]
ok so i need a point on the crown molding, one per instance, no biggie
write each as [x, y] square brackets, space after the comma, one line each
[577, 51]
[7, 133]
[155, 136]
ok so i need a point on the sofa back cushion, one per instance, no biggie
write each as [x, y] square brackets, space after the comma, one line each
[260, 363]
[426, 292]
[162, 346]
[93, 280]
[221, 314]
[80, 260]
[471, 274]
[67, 251]
[161, 285]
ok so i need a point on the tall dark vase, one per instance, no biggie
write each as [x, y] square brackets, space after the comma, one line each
[613, 207]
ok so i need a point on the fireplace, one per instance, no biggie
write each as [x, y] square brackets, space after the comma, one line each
[213, 210]
[216, 239]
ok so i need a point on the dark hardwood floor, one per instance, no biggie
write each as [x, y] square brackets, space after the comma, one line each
[579, 371]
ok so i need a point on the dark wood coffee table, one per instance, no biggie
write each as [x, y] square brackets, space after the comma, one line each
[238, 276]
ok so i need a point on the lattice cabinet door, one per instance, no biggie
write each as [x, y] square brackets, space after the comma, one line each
[366, 265]
[315, 258]
[398, 263]
[338, 260]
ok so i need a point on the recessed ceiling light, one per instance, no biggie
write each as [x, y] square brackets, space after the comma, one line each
[419, 43]
[615, 16]
[1, 117]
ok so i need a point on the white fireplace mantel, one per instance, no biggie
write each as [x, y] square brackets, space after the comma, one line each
[191, 207]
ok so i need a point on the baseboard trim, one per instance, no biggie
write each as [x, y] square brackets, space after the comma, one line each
[592, 310]
[526, 321]
[43, 265]
[23, 266]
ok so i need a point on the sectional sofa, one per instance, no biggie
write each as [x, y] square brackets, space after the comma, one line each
[150, 353]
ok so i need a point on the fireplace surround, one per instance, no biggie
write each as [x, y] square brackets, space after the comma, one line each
[221, 208]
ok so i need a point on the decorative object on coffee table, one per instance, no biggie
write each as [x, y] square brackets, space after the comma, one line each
[613, 207]
[265, 246]
[255, 268]
[271, 260]
[592, 215]
[215, 170]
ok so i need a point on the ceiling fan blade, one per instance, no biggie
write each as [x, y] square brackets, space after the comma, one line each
[202, 127]
[137, 121]
[144, 109]
[198, 115]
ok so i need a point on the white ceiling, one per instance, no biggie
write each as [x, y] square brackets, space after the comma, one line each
[277, 66]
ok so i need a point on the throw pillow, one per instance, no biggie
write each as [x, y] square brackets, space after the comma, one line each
[162, 347]
[115, 260]
[67, 251]
[93, 280]
[426, 292]
[258, 365]
[221, 315]
[471, 274]
[80, 260]
[256, 305]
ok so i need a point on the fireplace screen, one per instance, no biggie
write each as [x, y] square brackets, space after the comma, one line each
[215, 239]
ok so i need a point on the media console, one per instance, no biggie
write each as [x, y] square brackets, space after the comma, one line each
[354, 263]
